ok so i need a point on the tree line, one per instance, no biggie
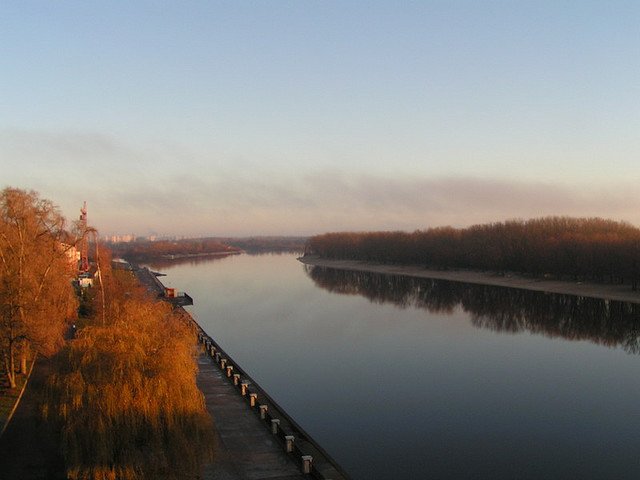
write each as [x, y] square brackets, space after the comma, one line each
[146, 250]
[592, 249]
[267, 244]
[137, 251]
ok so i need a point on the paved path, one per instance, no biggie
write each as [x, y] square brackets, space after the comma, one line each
[245, 449]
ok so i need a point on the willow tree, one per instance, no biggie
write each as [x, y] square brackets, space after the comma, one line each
[125, 397]
[36, 295]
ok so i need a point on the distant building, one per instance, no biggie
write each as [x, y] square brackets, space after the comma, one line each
[72, 253]
[121, 238]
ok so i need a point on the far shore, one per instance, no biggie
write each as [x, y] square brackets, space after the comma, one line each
[180, 256]
[622, 293]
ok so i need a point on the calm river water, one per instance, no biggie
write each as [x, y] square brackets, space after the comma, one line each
[401, 378]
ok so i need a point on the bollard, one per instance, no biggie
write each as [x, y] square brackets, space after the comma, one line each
[289, 443]
[275, 423]
[263, 411]
[253, 398]
[212, 349]
[217, 357]
[223, 363]
[236, 378]
[243, 388]
[306, 463]
[229, 370]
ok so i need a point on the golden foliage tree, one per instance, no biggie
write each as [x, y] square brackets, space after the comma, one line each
[36, 295]
[125, 393]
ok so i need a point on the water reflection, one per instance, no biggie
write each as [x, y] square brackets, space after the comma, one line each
[604, 322]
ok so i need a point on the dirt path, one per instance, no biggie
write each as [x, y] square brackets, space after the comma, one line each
[621, 293]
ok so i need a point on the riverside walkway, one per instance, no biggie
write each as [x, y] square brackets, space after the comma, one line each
[245, 448]
[256, 439]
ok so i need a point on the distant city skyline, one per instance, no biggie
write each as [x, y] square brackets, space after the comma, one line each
[289, 118]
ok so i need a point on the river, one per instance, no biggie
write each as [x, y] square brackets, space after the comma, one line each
[402, 378]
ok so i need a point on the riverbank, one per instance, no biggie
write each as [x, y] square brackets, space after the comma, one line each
[622, 293]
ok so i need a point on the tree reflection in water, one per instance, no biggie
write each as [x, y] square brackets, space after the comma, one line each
[511, 310]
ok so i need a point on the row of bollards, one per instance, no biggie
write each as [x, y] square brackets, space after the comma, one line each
[289, 440]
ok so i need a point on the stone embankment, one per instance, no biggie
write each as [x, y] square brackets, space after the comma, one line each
[297, 445]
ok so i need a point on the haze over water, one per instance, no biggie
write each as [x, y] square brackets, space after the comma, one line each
[431, 379]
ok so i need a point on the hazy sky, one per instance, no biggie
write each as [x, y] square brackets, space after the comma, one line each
[236, 118]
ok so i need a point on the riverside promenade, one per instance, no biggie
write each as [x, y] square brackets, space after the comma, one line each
[256, 439]
[245, 449]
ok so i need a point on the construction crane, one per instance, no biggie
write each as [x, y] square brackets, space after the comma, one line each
[84, 241]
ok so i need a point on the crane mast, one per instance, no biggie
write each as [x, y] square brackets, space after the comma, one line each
[84, 242]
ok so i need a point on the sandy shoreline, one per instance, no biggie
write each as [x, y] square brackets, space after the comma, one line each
[621, 293]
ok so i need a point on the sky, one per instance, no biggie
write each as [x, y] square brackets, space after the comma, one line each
[237, 118]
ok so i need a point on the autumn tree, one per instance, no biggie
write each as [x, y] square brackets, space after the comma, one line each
[36, 295]
[124, 393]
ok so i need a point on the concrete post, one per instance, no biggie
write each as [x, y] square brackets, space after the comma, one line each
[243, 388]
[289, 443]
[253, 398]
[275, 423]
[229, 370]
[307, 460]
[236, 378]
[212, 349]
[223, 363]
[263, 411]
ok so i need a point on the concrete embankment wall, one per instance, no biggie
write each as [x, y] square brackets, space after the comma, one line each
[298, 444]
[310, 456]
